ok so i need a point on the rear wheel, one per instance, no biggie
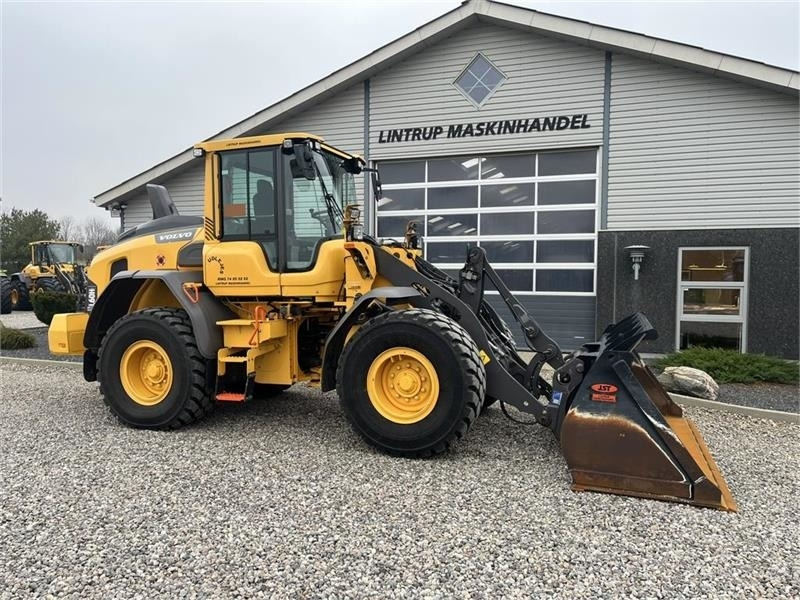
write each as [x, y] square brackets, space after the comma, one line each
[23, 296]
[7, 290]
[411, 382]
[151, 373]
[48, 284]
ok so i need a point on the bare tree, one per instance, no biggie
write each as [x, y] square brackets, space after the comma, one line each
[96, 232]
[68, 228]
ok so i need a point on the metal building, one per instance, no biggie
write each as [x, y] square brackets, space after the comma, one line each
[561, 146]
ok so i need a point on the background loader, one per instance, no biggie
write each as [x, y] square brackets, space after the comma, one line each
[52, 269]
[277, 284]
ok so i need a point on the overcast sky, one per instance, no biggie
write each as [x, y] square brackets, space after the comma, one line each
[95, 93]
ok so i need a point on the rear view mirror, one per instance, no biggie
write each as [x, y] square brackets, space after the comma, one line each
[302, 164]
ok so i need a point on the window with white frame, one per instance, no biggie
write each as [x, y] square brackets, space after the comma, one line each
[534, 214]
[712, 298]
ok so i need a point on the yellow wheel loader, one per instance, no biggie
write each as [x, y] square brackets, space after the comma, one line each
[52, 268]
[278, 284]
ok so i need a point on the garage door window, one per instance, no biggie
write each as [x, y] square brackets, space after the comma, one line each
[535, 214]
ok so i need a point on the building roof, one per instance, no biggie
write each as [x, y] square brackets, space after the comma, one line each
[488, 11]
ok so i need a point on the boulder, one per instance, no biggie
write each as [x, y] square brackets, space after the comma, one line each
[690, 382]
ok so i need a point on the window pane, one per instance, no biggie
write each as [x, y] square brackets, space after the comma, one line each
[506, 223]
[447, 252]
[566, 192]
[395, 227]
[565, 251]
[520, 194]
[709, 301]
[517, 280]
[402, 200]
[478, 93]
[712, 265]
[479, 66]
[402, 172]
[520, 165]
[453, 225]
[573, 221]
[711, 335]
[453, 197]
[452, 169]
[508, 252]
[568, 163]
[563, 280]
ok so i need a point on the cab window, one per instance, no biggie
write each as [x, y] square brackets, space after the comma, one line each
[247, 198]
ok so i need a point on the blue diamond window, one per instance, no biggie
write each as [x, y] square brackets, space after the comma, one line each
[479, 80]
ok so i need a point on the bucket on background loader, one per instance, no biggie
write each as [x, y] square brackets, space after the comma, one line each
[621, 432]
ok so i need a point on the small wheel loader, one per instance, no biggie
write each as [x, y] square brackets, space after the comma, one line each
[51, 269]
[278, 284]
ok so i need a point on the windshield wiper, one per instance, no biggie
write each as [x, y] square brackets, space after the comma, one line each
[330, 200]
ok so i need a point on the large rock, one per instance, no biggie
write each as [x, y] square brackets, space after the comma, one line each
[690, 382]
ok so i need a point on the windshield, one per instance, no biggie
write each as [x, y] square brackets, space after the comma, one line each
[317, 203]
[62, 253]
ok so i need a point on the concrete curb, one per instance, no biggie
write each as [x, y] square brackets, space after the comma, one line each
[41, 362]
[758, 413]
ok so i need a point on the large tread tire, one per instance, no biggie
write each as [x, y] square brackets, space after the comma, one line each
[189, 398]
[48, 284]
[24, 302]
[453, 354]
[6, 302]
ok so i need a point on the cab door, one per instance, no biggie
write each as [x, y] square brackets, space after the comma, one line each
[244, 259]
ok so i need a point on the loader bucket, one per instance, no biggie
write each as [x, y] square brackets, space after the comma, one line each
[623, 434]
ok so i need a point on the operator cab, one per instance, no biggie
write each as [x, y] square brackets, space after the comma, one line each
[288, 198]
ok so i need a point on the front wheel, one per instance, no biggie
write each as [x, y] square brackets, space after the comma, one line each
[151, 373]
[48, 284]
[411, 382]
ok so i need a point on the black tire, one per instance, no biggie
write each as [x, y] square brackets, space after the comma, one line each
[454, 356]
[6, 302]
[23, 295]
[188, 398]
[48, 284]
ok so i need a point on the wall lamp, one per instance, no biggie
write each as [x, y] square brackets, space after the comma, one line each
[637, 253]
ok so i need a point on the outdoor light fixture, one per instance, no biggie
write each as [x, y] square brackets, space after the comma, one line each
[197, 152]
[636, 253]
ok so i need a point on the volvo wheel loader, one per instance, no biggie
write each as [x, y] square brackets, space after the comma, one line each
[50, 270]
[278, 284]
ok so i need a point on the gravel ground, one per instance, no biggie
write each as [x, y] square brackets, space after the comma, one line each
[280, 499]
[23, 319]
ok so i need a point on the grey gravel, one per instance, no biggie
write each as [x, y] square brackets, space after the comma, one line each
[21, 319]
[278, 498]
[771, 396]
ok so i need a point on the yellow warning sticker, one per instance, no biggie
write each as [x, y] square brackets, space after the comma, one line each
[484, 357]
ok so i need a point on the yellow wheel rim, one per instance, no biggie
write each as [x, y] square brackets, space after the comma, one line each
[15, 296]
[402, 385]
[146, 373]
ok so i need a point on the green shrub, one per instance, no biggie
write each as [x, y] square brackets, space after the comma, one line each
[729, 366]
[14, 339]
[47, 304]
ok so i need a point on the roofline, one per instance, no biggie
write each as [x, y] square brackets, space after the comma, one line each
[599, 36]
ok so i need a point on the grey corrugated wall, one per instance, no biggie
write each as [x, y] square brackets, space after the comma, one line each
[546, 77]
[690, 150]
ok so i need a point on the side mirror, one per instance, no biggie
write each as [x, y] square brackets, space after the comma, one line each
[377, 189]
[303, 163]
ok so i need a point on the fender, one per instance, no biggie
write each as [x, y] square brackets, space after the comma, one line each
[334, 344]
[114, 303]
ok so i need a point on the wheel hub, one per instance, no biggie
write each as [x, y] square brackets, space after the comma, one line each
[402, 385]
[146, 372]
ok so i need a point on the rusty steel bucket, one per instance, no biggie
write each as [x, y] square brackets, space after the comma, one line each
[621, 432]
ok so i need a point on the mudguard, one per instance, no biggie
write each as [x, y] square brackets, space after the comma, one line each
[115, 301]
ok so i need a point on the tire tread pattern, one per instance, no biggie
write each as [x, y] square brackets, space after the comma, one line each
[468, 356]
[200, 402]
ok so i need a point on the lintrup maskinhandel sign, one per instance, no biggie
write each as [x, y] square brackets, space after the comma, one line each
[462, 130]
